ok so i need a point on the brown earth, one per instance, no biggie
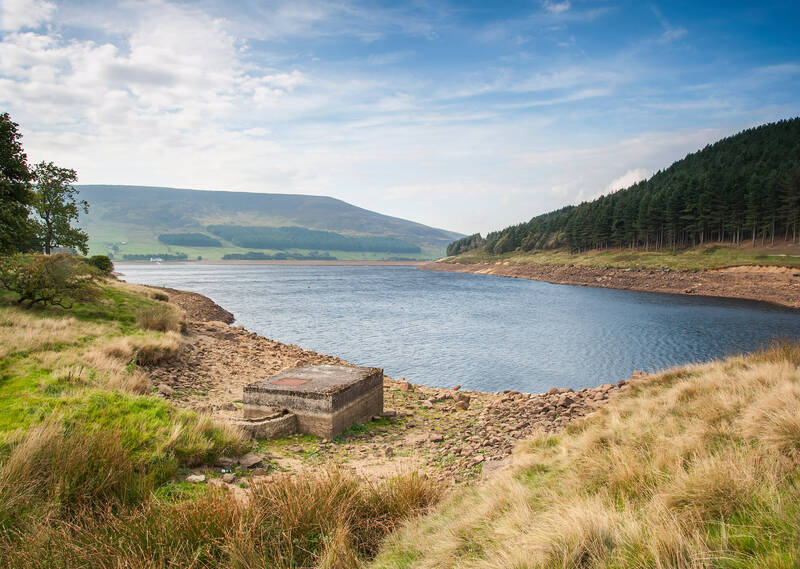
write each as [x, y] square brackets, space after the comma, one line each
[776, 285]
[448, 434]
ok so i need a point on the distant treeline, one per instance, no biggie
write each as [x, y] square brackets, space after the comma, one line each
[189, 240]
[257, 237]
[162, 256]
[739, 189]
[280, 256]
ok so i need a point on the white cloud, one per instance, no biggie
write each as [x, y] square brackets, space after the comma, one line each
[556, 7]
[160, 93]
[626, 180]
[22, 14]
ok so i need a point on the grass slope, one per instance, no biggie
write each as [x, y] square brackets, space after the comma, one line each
[697, 467]
[693, 259]
[90, 463]
[137, 215]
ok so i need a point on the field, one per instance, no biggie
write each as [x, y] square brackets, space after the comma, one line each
[100, 244]
[695, 259]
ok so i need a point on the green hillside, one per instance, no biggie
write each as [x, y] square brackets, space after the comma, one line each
[148, 221]
[744, 189]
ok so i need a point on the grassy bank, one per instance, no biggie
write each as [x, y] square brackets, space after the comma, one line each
[694, 259]
[697, 467]
[91, 461]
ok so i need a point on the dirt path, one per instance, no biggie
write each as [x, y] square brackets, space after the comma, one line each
[777, 285]
[450, 435]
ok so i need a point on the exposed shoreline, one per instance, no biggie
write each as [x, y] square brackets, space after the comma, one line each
[771, 284]
[424, 428]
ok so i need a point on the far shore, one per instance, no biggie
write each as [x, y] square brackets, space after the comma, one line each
[339, 263]
[771, 284]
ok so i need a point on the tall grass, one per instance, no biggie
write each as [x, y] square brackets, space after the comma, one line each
[697, 467]
[327, 519]
[161, 317]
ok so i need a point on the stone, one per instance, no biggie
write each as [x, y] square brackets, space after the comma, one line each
[462, 405]
[196, 478]
[165, 390]
[403, 385]
[388, 452]
[427, 403]
[228, 407]
[225, 462]
[566, 401]
[229, 478]
[250, 460]
[436, 438]
[326, 399]
[553, 391]
[388, 413]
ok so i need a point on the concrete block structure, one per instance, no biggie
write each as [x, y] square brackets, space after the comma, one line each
[326, 399]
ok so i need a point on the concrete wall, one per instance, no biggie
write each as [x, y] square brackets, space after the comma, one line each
[330, 425]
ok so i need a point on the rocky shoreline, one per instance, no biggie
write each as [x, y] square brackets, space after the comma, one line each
[451, 435]
[775, 285]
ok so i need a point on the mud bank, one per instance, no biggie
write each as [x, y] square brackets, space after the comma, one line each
[776, 285]
[449, 434]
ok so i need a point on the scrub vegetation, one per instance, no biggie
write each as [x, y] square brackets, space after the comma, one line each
[696, 467]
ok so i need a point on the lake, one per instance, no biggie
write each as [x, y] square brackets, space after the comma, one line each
[486, 333]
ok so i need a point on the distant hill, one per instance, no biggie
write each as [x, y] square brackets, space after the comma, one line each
[140, 221]
[739, 189]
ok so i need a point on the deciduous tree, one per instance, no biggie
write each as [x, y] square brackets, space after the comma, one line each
[57, 206]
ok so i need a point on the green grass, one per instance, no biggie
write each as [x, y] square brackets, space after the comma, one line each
[55, 380]
[698, 258]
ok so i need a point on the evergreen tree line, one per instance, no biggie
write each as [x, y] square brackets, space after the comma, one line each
[741, 189]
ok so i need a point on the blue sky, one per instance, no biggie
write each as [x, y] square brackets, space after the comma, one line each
[463, 115]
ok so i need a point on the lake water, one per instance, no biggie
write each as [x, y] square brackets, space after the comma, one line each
[486, 333]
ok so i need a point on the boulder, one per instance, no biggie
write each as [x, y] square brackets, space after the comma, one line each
[250, 460]
[165, 390]
[196, 478]
[225, 462]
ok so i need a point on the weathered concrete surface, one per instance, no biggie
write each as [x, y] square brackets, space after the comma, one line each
[325, 398]
[271, 426]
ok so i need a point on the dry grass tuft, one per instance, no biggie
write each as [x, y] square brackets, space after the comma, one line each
[60, 472]
[161, 318]
[324, 520]
[144, 350]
